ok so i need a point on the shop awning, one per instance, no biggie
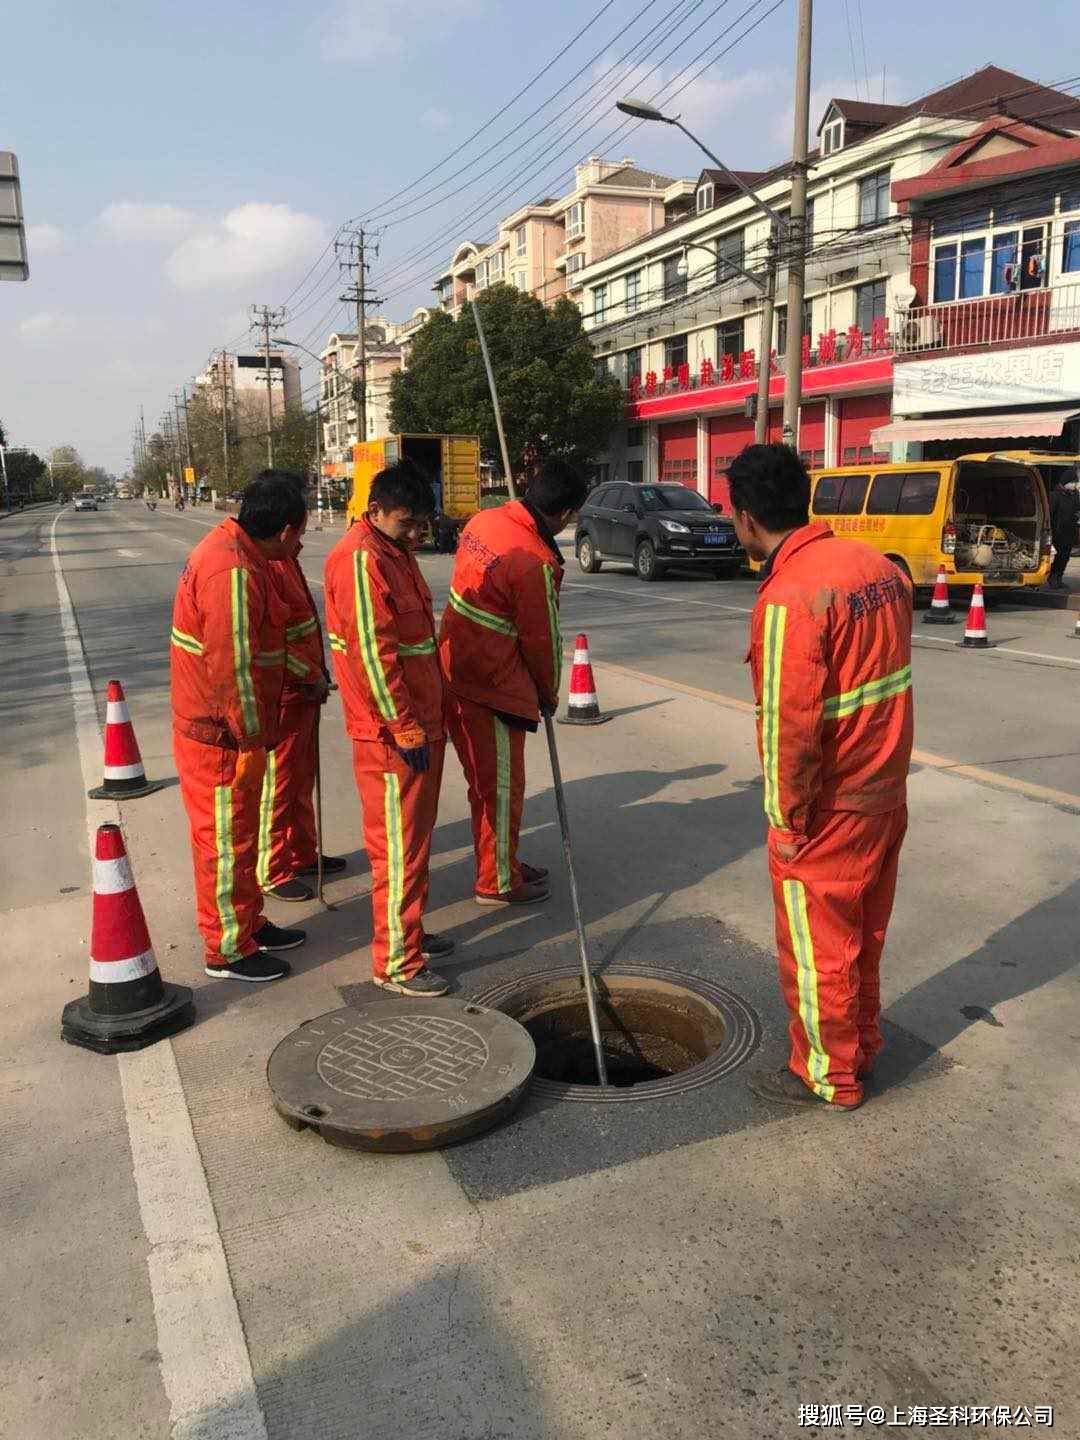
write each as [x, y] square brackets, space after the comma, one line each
[977, 427]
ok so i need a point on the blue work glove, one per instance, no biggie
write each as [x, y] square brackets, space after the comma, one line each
[418, 758]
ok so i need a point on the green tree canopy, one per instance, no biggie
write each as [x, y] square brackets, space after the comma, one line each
[554, 400]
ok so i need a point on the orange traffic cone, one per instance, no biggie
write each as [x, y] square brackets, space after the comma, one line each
[582, 706]
[939, 612]
[975, 629]
[125, 778]
[128, 1006]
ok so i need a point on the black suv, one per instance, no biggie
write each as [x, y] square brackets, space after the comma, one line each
[654, 527]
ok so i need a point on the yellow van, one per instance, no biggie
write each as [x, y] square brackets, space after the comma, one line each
[979, 517]
[452, 462]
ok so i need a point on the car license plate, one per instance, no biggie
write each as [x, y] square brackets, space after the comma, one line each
[717, 537]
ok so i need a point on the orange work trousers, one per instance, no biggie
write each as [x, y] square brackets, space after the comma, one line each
[399, 809]
[286, 811]
[221, 790]
[833, 903]
[492, 755]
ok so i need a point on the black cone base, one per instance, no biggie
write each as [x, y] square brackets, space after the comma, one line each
[977, 643]
[124, 790]
[108, 1034]
[570, 718]
[939, 617]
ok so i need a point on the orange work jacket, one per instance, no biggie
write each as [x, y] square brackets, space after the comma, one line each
[500, 643]
[228, 644]
[381, 628]
[830, 653]
[305, 661]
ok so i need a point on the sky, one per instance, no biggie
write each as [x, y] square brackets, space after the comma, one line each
[182, 163]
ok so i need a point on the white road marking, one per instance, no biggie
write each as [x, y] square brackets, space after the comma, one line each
[130, 554]
[654, 598]
[993, 649]
[205, 1365]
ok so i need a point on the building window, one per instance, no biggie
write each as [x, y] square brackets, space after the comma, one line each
[1070, 247]
[832, 137]
[874, 198]
[675, 352]
[575, 262]
[635, 437]
[495, 267]
[674, 276]
[1003, 261]
[705, 198]
[635, 471]
[599, 304]
[481, 276]
[520, 241]
[518, 279]
[869, 304]
[729, 339]
[575, 221]
[633, 365]
[633, 290]
[730, 250]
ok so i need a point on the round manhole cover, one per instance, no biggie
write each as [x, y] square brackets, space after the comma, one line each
[401, 1074]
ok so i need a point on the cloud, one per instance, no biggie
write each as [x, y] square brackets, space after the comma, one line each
[436, 119]
[46, 326]
[44, 239]
[131, 221]
[370, 30]
[253, 240]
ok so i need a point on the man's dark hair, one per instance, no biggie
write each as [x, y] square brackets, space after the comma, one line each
[274, 499]
[403, 486]
[555, 486]
[772, 484]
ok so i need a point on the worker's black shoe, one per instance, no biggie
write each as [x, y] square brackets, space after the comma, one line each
[533, 874]
[784, 1088]
[424, 985]
[272, 937]
[293, 892]
[256, 969]
[436, 947]
[525, 894]
[331, 865]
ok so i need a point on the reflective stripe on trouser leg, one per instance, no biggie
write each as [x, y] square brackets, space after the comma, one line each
[503, 780]
[222, 804]
[266, 818]
[399, 809]
[474, 736]
[817, 1059]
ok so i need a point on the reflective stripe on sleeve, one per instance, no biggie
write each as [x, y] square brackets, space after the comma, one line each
[337, 642]
[296, 667]
[186, 642]
[489, 621]
[817, 1060]
[267, 659]
[369, 646]
[556, 632]
[245, 684]
[772, 664]
[869, 694]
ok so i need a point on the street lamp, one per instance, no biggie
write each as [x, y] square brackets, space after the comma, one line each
[295, 345]
[642, 110]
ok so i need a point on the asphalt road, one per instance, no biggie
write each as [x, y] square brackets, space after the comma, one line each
[178, 1263]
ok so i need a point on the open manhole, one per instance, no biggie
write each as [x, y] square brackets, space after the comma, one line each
[663, 1033]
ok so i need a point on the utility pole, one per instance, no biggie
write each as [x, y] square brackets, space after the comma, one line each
[768, 309]
[142, 433]
[266, 317]
[225, 415]
[797, 226]
[179, 440]
[187, 435]
[353, 258]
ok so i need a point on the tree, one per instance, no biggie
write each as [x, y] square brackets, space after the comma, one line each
[553, 398]
[28, 475]
[68, 469]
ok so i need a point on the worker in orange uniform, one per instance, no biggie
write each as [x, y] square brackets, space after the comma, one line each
[501, 654]
[831, 659]
[381, 627]
[288, 844]
[228, 663]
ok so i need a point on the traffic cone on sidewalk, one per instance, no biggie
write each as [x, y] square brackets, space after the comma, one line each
[128, 1006]
[975, 629]
[125, 778]
[582, 706]
[939, 612]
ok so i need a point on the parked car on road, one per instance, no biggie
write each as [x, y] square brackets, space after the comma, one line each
[654, 528]
[85, 502]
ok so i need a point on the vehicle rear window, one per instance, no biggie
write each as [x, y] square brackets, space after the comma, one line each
[995, 489]
[904, 492]
[840, 494]
[600, 496]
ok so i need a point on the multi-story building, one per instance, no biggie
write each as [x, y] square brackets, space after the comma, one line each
[240, 380]
[337, 400]
[544, 248]
[987, 333]
[676, 314]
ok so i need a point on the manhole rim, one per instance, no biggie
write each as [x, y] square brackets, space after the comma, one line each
[742, 1033]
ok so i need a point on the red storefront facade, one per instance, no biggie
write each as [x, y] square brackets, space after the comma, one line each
[693, 429]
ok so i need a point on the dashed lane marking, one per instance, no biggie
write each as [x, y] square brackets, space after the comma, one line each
[205, 1365]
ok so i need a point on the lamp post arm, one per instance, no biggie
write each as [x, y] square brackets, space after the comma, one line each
[752, 195]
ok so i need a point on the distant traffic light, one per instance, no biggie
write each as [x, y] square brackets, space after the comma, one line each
[14, 261]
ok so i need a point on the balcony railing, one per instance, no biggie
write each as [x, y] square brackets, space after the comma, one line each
[991, 320]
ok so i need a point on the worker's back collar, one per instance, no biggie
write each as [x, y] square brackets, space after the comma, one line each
[381, 538]
[791, 544]
[236, 532]
[539, 523]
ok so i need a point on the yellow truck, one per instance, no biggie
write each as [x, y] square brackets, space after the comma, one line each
[451, 461]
